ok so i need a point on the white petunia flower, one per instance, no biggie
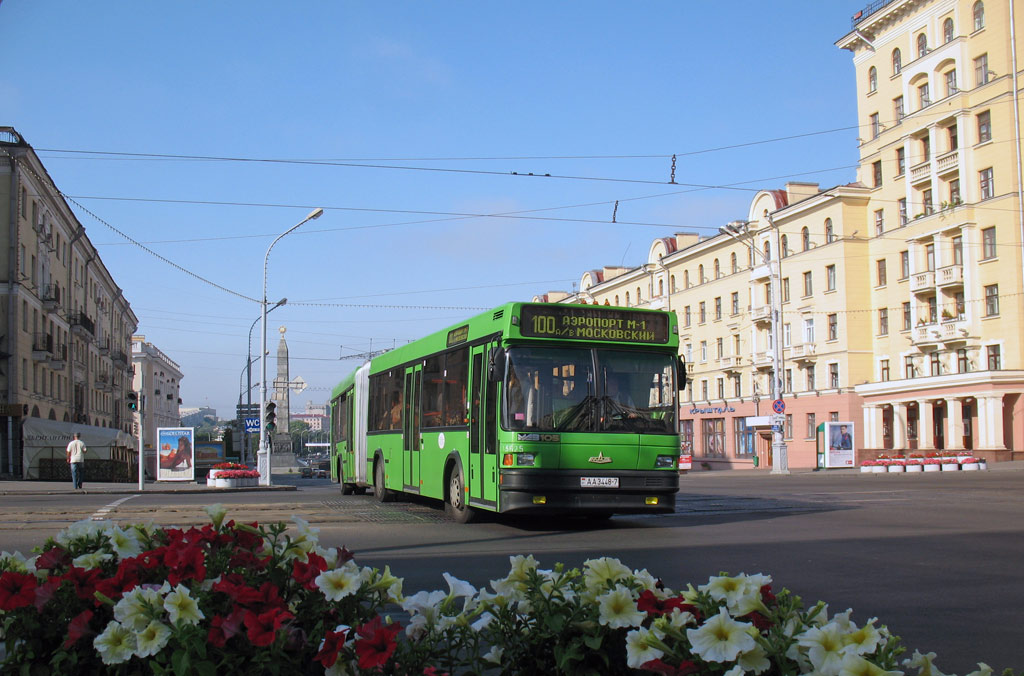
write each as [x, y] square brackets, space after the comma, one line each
[92, 559]
[482, 622]
[116, 644]
[423, 601]
[826, 648]
[125, 542]
[923, 663]
[618, 609]
[15, 562]
[735, 671]
[755, 661]
[338, 583]
[640, 649]
[721, 638]
[137, 608]
[152, 639]
[217, 513]
[742, 593]
[855, 665]
[458, 587]
[181, 607]
[983, 670]
[863, 641]
[598, 572]
[494, 654]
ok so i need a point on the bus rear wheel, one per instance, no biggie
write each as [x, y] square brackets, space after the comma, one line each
[456, 505]
[347, 489]
[381, 493]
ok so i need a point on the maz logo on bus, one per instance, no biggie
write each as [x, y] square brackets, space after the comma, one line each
[538, 437]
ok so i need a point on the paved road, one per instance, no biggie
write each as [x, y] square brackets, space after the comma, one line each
[936, 557]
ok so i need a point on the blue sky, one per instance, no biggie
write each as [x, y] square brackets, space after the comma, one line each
[445, 100]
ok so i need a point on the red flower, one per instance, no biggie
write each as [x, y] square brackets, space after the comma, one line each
[77, 628]
[758, 620]
[85, 581]
[17, 590]
[649, 603]
[659, 667]
[376, 643]
[185, 564]
[247, 540]
[124, 580]
[766, 594]
[333, 643]
[262, 629]
[46, 590]
[55, 557]
[305, 573]
[225, 627]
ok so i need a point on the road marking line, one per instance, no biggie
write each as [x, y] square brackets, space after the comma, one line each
[101, 514]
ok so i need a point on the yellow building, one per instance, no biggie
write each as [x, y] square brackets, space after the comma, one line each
[899, 295]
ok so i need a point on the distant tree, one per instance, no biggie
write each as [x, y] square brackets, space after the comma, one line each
[229, 440]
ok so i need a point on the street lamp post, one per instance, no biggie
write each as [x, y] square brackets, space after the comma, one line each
[780, 451]
[248, 371]
[264, 462]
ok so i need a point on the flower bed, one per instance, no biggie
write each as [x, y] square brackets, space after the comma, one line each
[247, 599]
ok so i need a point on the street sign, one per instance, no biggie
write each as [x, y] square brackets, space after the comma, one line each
[297, 384]
[778, 419]
[252, 425]
[779, 406]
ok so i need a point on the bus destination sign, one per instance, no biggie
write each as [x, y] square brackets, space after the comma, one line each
[579, 322]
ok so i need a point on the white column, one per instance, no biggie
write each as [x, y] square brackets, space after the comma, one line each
[873, 427]
[954, 424]
[925, 426]
[990, 422]
[899, 425]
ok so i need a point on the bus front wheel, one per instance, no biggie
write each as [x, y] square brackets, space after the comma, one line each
[456, 505]
[379, 491]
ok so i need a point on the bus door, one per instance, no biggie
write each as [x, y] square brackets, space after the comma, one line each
[411, 429]
[483, 463]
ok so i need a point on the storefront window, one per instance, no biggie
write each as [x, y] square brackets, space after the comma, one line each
[743, 438]
[713, 437]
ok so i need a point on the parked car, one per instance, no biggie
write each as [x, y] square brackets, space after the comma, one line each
[321, 474]
[306, 472]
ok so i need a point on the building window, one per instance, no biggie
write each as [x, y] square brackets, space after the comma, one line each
[958, 250]
[702, 315]
[924, 97]
[933, 310]
[926, 149]
[947, 31]
[833, 327]
[883, 322]
[809, 375]
[743, 439]
[639, 298]
[954, 192]
[704, 358]
[929, 257]
[935, 364]
[812, 426]
[995, 360]
[872, 79]
[809, 330]
[904, 264]
[901, 205]
[963, 365]
[897, 62]
[788, 430]
[884, 376]
[953, 137]
[876, 126]
[984, 127]
[908, 367]
[785, 289]
[926, 202]
[922, 45]
[787, 334]
[908, 318]
[879, 222]
[808, 285]
[880, 273]
[718, 307]
[981, 72]
[784, 241]
[732, 262]
[830, 278]
[988, 243]
[950, 78]
[713, 436]
[805, 238]
[718, 270]
[735, 302]
[986, 183]
[876, 173]
[686, 316]
[627, 299]
[897, 108]
[830, 232]
[720, 384]
[700, 274]
[992, 300]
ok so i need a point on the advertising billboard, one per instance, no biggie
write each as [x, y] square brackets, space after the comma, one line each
[839, 438]
[175, 454]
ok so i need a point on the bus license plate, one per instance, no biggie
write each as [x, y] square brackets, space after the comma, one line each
[599, 482]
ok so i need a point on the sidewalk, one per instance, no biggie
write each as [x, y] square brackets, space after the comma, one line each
[1009, 466]
[162, 487]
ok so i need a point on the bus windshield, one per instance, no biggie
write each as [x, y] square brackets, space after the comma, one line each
[589, 390]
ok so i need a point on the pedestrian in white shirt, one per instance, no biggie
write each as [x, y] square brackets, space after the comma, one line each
[76, 458]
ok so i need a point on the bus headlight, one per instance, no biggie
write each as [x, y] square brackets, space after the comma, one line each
[664, 461]
[525, 459]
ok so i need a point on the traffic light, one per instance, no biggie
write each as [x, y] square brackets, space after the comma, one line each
[133, 401]
[270, 416]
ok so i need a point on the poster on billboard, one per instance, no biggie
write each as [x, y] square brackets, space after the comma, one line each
[174, 453]
[839, 444]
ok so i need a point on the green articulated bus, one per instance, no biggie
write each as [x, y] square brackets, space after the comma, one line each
[527, 408]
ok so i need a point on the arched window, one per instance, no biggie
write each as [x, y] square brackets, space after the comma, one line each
[785, 246]
[767, 250]
[686, 279]
[947, 31]
[718, 270]
[661, 287]
[979, 15]
[700, 274]
[732, 261]
[805, 236]
[830, 235]
[627, 299]
[872, 79]
[672, 284]
[922, 45]
[638, 298]
[897, 62]
[617, 300]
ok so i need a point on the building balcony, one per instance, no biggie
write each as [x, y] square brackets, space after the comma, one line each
[922, 282]
[921, 173]
[731, 363]
[762, 272]
[42, 347]
[763, 360]
[761, 313]
[119, 357]
[951, 275]
[926, 335]
[947, 163]
[59, 358]
[50, 296]
[954, 330]
[802, 352]
[103, 345]
[82, 325]
[103, 382]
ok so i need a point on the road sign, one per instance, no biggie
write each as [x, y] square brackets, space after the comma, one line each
[778, 419]
[252, 425]
[778, 406]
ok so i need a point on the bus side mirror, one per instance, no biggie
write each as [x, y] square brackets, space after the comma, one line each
[682, 374]
[496, 365]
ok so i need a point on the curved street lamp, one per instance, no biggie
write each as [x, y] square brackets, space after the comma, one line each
[264, 462]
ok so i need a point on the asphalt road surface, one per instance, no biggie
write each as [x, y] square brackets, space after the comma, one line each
[937, 558]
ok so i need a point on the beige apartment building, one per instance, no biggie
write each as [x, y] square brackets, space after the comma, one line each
[65, 328]
[900, 296]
